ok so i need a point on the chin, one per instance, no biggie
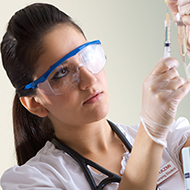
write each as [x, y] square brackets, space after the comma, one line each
[99, 115]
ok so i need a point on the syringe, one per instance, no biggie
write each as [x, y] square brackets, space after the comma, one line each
[167, 36]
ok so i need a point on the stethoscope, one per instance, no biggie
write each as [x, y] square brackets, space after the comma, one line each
[84, 162]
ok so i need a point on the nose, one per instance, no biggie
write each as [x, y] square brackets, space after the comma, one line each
[87, 79]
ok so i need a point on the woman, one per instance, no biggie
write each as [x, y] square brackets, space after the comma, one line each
[61, 93]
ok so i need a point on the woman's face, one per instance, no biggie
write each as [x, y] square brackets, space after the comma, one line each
[89, 100]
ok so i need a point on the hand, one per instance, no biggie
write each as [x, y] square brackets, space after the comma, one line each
[183, 7]
[163, 90]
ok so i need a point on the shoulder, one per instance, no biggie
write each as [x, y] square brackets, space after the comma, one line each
[44, 169]
[177, 136]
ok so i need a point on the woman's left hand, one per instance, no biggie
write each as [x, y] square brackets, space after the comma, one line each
[183, 8]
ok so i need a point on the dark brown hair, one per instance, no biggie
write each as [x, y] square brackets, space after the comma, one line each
[21, 47]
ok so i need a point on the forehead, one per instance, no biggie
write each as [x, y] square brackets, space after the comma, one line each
[57, 43]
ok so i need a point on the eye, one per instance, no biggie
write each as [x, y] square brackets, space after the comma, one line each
[62, 72]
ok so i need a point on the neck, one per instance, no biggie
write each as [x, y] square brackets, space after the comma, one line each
[87, 139]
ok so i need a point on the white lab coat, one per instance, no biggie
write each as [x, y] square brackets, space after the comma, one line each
[53, 169]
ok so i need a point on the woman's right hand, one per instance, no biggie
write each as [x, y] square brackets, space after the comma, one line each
[163, 90]
[182, 7]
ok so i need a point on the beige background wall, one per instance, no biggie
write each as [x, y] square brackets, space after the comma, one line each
[132, 37]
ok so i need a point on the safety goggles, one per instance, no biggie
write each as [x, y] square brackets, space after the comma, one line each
[64, 75]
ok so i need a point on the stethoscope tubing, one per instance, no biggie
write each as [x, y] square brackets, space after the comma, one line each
[84, 162]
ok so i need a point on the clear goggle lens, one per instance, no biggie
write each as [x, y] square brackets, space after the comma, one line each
[67, 75]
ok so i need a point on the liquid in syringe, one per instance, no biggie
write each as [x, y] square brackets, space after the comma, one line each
[167, 36]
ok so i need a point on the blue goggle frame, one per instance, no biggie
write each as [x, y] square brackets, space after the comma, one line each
[34, 84]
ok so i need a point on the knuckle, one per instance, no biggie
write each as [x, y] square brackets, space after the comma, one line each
[175, 73]
[161, 97]
[184, 89]
[181, 80]
[151, 88]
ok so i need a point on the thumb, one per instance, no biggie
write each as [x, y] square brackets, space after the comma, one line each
[164, 65]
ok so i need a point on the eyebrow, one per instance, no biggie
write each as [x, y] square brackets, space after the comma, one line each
[63, 63]
[33, 84]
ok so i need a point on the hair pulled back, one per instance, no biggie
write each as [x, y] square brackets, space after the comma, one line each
[21, 47]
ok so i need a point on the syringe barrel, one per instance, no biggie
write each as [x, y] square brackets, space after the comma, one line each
[167, 30]
[167, 50]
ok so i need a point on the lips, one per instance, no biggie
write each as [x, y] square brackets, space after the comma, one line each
[94, 97]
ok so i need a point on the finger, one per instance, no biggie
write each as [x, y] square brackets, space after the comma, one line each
[184, 8]
[182, 2]
[186, 19]
[173, 7]
[165, 65]
[184, 11]
[182, 91]
[174, 84]
[168, 75]
[168, 81]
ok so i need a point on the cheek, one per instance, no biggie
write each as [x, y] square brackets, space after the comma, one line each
[65, 104]
[58, 102]
[51, 102]
[65, 109]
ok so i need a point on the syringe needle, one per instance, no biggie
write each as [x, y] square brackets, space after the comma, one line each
[167, 9]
